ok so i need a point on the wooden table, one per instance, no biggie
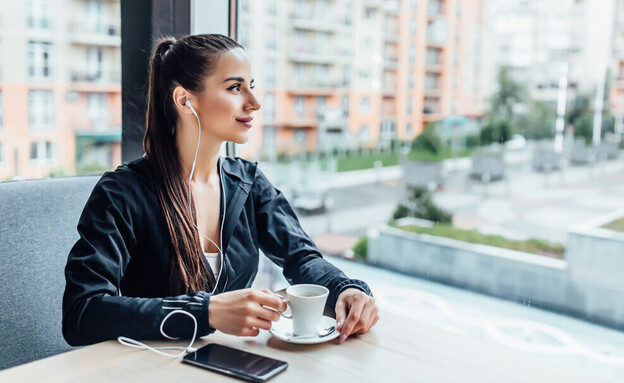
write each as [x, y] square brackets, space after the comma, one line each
[398, 349]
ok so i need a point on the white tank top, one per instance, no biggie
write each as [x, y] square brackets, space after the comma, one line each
[214, 260]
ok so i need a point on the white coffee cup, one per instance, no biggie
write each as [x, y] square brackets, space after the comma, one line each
[306, 303]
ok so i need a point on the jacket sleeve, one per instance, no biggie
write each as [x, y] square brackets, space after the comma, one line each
[284, 241]
[93, 308]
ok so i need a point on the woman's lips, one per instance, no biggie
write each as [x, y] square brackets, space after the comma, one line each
[245, 121]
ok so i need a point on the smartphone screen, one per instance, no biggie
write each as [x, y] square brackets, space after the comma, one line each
[233, 362]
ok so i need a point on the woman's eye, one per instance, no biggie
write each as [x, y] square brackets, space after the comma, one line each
[235, 87]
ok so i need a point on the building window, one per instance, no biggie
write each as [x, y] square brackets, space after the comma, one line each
[410, 80]
[344, 103]
[1, 113]
[321, 103]
[1, 155]
[269, 141]
[269, 106]
[300, 75]
[271, 37]
[39, 60]
[431, 81]
[412, 28]
[243, 36]
[346, 76]
[269, 69]
[38, 12]
[411, 53]
[364, 135]
[97, 18]
[42, 153]
[40, 110]
[388, 131]
[409, 106]
[299, 106]
[271, 7]
[365, 104]
[97, 110]
[409, 130]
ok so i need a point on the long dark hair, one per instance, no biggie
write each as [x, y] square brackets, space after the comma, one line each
[184, 62]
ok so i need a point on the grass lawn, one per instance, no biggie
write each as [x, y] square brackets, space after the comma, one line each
[617, 225]
[534, 246]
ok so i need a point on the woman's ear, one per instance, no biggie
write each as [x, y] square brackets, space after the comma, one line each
[181, 99]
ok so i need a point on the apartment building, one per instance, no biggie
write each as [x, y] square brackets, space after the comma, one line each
[345, 74]
[616, 96]
[60, 87]
[539, 41]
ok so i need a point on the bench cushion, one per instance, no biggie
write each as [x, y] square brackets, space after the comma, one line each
[37, 230]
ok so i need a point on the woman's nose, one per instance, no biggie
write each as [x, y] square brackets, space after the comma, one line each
[252, 103]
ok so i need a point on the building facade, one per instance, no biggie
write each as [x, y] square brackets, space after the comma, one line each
[347, 74]
[60, 87]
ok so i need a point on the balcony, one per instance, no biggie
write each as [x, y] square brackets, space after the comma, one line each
[86, 73]
[435, 9]
[90, 122]
[106, 33]
[315, 25]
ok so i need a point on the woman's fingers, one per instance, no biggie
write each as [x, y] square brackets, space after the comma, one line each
[353, 317]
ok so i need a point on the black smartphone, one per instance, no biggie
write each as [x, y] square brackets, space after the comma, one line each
[237, 363]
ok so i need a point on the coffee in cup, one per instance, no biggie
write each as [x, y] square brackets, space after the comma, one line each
[306, 303]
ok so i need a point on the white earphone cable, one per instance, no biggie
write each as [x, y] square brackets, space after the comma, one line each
[135, 343]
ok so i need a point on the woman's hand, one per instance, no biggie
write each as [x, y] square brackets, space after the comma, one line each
[356, 313]
[242, 312]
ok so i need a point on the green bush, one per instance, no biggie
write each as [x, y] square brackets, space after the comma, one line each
[420, 205]
[428, 141]
[498, 130]
[360, 249]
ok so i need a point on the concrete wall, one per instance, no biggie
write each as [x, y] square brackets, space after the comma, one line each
[588, 284]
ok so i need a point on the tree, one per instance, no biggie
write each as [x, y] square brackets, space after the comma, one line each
[428, 140]
[496, 130]
[539, 121]
[509, 94]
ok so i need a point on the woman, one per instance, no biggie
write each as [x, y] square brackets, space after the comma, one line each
[180, 228]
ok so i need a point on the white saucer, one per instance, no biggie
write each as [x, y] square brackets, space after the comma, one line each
[283, 326]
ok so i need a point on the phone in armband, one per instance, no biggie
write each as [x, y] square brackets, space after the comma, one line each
[236, 363]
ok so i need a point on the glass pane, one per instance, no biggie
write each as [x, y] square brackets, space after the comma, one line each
[473, 142]
[60, 103]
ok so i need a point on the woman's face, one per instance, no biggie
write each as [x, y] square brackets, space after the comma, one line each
[227, 103]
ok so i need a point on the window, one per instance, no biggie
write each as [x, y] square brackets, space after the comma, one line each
[269, 142]
[268, 106]
[38, 14]
[271, 37]
[409, 105]
[344, 103]
[269, 72]
[96, 16]
[95, 63]
[1, 113]
[40, 110]
[365, 104]
[431, 81]
[320, 104]
[364, 135]
[42, 153]
[408, 131]
[300, 106]
[388, 131]
[1, 155]
[98, 110]
[271, 7]
[39, 60]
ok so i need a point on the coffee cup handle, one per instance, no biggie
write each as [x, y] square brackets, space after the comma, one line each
[287, 316]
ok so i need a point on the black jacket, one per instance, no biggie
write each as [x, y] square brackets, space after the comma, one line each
[117, 272]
